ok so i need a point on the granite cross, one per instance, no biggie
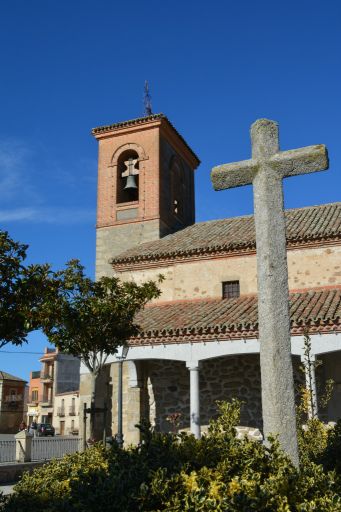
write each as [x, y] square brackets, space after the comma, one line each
[265, 171]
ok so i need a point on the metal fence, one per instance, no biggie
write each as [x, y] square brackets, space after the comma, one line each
[54, 448]
[7, 451]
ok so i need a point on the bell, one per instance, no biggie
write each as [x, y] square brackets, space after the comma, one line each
[131, 183]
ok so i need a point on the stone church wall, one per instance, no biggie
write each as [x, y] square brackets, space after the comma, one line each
[220, 379]
[308, 268]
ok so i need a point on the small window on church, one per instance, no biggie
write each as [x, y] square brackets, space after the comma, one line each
[231, 289]
[128, 177]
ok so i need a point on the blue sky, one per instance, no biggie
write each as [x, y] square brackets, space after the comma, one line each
[213, 68]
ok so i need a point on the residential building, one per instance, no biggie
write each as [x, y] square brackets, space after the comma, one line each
[12, 402]
[66, 413]
[59, 374]
[35, 394]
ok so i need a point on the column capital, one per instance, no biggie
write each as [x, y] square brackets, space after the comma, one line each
[193, 365]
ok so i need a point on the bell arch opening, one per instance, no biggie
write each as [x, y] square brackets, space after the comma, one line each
[127, 186]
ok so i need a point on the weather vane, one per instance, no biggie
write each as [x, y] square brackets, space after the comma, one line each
[147, 100]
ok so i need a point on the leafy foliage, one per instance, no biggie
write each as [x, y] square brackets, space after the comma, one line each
[177, 473]
[313, 434]
[91, 319]
[309, 401]
[22, 291]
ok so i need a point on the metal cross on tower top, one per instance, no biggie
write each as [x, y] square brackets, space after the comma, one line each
[265, 171]
[147, 100]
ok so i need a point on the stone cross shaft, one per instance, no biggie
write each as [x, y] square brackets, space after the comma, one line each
[265, 171]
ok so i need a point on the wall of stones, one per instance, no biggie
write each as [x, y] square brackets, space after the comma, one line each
[220, 379]
[202, 279]
[110, 241]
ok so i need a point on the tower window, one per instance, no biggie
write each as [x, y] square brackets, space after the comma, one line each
[231, 289]
[178, 188]
[128, 177]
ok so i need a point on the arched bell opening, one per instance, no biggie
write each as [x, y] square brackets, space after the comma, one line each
[127, 177]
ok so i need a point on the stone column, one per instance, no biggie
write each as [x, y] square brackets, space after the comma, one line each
[194, 367]
[23, 446]
[310, 382]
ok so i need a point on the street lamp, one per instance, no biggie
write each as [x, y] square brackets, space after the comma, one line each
[120, 356]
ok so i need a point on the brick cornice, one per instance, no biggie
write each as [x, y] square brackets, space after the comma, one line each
[147, 122]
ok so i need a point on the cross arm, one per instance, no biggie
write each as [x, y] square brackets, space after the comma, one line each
[301, 161]
[233, 175]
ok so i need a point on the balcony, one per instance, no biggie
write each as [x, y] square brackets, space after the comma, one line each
[46, 377]
[13, 398]
[72, 410]
[33, 399]
[46, 401]
[13, 402]
[61, 411]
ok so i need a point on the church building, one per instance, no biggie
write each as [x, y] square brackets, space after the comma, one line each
[199, 340]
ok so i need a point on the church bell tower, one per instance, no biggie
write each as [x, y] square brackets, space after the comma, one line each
[145, 185]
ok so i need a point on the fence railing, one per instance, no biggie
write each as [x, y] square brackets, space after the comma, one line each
[7, 450]
[36, 448]
[54, 448]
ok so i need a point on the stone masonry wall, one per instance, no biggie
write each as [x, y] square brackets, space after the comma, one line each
[308, 268]
[163, 388]
[220, 379]
[111, 241]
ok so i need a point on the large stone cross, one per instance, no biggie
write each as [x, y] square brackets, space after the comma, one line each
[265, 171]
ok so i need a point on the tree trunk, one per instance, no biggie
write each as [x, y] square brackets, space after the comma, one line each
[92, 406]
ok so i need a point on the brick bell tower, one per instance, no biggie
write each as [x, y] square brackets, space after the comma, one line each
[145, 185]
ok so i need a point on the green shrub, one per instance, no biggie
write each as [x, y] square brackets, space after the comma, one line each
[177, 473]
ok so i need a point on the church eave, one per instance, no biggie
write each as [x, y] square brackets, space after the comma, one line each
[306, 227]
[164, 259]
[190, 321]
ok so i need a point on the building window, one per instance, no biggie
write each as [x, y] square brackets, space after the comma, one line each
[34, 395]
[231, 289]
[178, 188]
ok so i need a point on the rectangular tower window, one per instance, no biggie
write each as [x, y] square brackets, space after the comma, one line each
[231, 289]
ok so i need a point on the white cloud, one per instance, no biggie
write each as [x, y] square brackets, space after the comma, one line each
[21, 196]
[17, 214]
[48, 215]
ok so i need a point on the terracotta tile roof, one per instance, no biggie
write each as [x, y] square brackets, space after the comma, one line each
[316, 310]
[309, 224]
[138, 121]
[8, 376]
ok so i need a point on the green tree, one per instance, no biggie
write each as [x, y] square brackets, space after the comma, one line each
[91, 319]
[22, 291]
